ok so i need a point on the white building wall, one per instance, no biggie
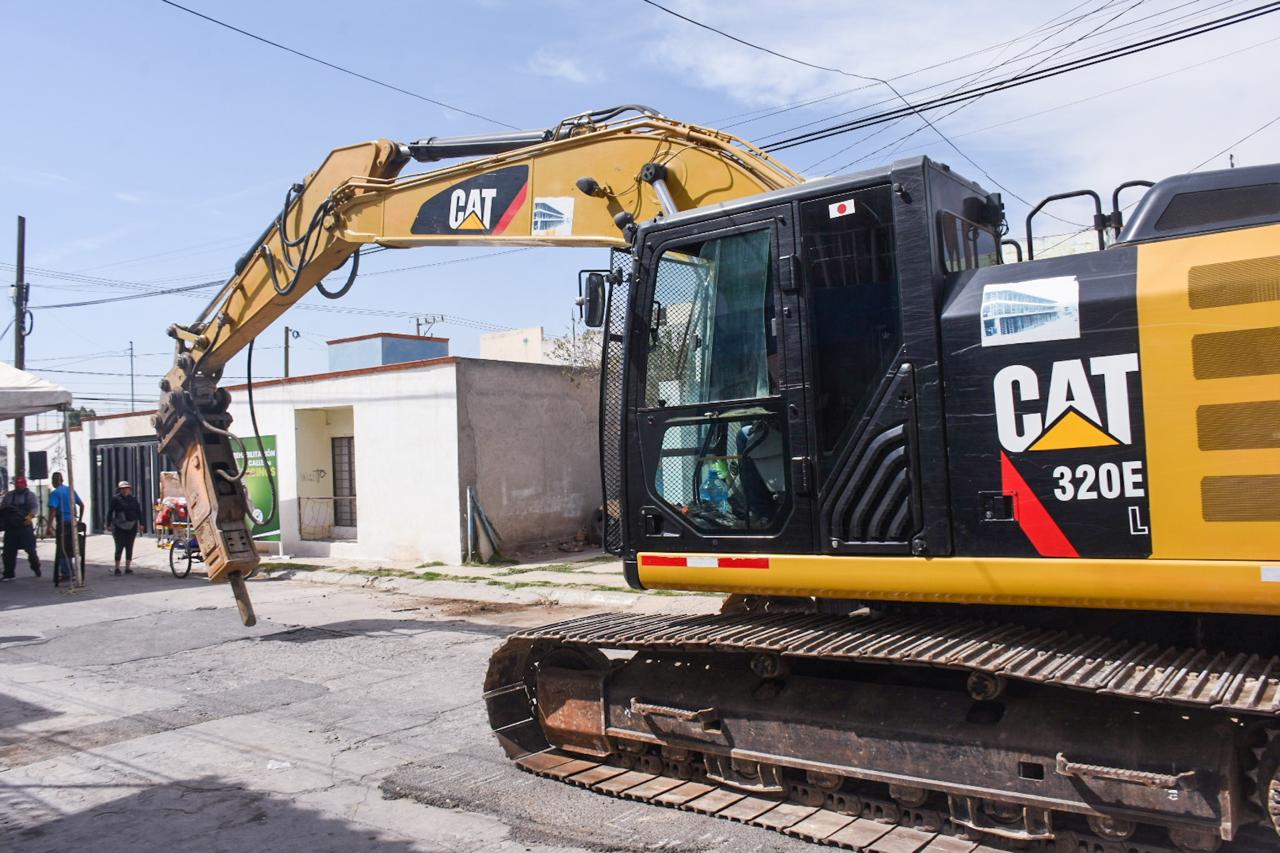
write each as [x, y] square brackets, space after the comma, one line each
[406, 458]
[524, 436]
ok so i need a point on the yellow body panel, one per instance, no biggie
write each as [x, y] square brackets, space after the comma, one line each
[1184, 585]
[1172, 395]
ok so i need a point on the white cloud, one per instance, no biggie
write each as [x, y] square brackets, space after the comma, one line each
[1151, 130]
[128, 198]
[74, 250]
[547, 63]
[34, 178]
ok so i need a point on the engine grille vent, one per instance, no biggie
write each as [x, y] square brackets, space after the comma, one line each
[1245, 352]
[1235, 283]
[1239, 426]
[872, 499]
[1248, 498]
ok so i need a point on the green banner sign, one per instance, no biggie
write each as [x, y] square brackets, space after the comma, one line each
[261, 498]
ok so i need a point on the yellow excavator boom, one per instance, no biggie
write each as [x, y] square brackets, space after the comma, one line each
[585, 182]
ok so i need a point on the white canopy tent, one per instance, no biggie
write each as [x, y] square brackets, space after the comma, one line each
[23, 394]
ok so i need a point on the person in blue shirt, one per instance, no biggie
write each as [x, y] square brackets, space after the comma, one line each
[61, 524]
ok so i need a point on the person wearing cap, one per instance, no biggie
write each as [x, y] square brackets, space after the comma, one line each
[63, 519]
[17, 509]
[126, 516]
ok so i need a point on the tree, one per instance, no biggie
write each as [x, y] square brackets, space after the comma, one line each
[578, 351]
[75, 416]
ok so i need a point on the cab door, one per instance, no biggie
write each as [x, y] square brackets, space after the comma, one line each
[718, 456]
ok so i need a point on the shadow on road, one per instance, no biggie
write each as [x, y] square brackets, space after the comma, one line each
[15, 712]
[386, 628]
[30, 591]
[204, 813]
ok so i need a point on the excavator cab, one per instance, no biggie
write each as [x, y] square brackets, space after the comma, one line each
[780, 352]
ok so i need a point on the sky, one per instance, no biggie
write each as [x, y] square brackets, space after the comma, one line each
[147, 146]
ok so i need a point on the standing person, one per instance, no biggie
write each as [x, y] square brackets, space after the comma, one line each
[62, 524]
[17, 509]
[126, 516]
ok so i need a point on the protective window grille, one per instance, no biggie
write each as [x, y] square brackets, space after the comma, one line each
[344, 481]
[677, 351]
[612, 398]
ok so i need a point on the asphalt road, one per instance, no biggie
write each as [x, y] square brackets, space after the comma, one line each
[141, 716]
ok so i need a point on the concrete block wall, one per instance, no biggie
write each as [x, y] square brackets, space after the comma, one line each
[528, 437]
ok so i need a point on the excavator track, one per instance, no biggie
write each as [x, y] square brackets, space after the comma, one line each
[1145, 671]
[575, 744]
[916, 830]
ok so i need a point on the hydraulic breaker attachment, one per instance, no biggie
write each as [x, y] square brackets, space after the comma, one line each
[192, 426]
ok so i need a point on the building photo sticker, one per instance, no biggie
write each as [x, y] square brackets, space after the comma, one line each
[553, 216]
[1047, 309]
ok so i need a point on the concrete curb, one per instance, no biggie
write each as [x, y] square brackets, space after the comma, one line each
[541, 596]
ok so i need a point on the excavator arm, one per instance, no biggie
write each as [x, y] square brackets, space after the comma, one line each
[585, 182]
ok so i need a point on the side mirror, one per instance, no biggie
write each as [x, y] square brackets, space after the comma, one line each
[591, 298]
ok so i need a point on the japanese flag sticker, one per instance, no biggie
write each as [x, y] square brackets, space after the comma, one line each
[840, 208]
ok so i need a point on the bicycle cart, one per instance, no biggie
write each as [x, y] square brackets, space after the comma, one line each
[183, 549]
[173, 531]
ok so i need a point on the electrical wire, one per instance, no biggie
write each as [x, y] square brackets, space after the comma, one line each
[897, 144]
[327, 64]
[1028, 55]
[968, 81]
[1033, 77]
[109, 299]
[453, 261]
[1194, 168]
[65, 275]
[1239, 141]
[96, 372]
[907, 105]
[1086, 99]
[197, 248]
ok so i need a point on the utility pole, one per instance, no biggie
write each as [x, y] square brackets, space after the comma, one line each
[132, 405]
[19, 465]
[286, 351]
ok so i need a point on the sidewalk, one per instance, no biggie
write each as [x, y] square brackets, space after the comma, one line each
[586, 578]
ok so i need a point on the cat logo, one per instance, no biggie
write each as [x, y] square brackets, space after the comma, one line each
[490, 203]
[1068, 416]
[470, 210]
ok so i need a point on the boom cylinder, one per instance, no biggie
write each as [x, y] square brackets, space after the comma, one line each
[435, 148]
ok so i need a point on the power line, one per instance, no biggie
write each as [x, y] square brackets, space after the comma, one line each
[907, 104]
[451, 261]
[1083, 100]
[1023, 79]
[1194, 168]
[1242, 139]
[96, 372]
[1030, 54]
[969, 80]
[327, 64]
[897, 144]
[147, 295]
[194, 249]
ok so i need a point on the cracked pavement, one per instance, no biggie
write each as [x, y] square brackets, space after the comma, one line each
[140, 715]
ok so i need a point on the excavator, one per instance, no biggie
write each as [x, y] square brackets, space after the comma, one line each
[1000, 540]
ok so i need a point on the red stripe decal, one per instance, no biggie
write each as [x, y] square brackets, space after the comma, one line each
[744, 562]
[510, 213]
[655, 560]
[1045, 534]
